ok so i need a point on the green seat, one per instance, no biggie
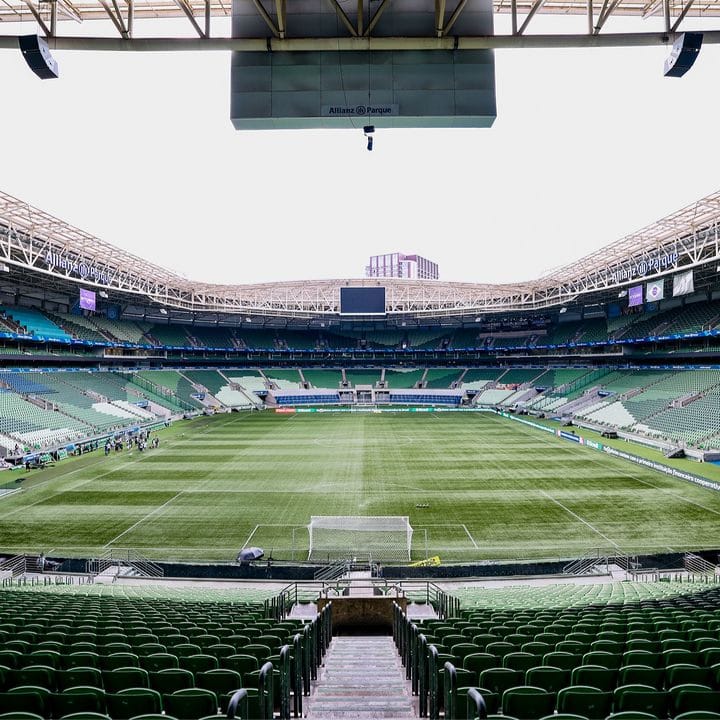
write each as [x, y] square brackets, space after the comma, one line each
[257, 650]
[548, 678]
[499, 679]
[170, 681]
[18, 715]
[632, 715]
[591, 702]
[133, 701]
[594, 676]
[564, 716]
[561, 659]
[221, 681]
[242, 664]
[692, 715]
[520, 661]
[83, 658]
[462, 650]
[37, 675]
[27, 699]
[643, 657]
[185, 649]
[641, 675]
[694, 699]
[78, 699]
[641, 698]
[158, 661]
[11, 658]
[119, 660]
[86, 715]
[609, 660]
[88, 676]
[125, 677]
[199, 663]
[684, 673]
[478, 662]
[191, 703]
[527, 702]
[51, 658]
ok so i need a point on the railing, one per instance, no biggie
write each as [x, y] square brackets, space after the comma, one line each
[238, 705]
[476, 709]
[15, 565]
[696, 565]
[585, 565]
[265, 691]
[450, 690]
[332, 572]
[124, 558]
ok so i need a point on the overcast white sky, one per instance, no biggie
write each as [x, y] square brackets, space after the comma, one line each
[138, 149]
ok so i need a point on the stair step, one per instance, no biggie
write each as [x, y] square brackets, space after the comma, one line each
[361, 678]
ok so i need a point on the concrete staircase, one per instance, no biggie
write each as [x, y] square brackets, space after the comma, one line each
[362, 678]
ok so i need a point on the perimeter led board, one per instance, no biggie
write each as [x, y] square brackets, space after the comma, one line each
[362, 301]
[389, 88]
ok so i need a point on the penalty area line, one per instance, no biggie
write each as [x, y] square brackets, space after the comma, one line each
[577, 517]
[250, 536]
[142, 520]
[472, 540]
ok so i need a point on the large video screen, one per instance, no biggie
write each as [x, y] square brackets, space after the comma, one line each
[362, 301]
[635, 296]
[87, 299]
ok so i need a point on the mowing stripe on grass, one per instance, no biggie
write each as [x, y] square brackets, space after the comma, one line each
[577, 517]
[142, 520]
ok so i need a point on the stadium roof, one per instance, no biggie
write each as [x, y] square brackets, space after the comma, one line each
[357, 34]
[34, 241]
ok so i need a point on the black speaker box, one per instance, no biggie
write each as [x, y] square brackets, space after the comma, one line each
[683, 54]
[37, 55]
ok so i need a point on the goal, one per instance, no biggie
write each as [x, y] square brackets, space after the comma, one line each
[377, 538]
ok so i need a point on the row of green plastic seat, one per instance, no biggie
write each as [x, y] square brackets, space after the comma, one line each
[533, 703]
[185, 704]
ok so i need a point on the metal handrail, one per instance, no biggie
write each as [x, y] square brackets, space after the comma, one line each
[285, 682]
[434, 704]
[238, 701]
[476, 708]
[298, 674]
[265, 691]
[450, 690]
[422, 675]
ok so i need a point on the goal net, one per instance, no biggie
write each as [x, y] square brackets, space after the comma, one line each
[378, 538]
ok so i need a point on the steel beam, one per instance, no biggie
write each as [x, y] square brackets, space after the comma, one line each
[342, 44]
[682, 15]
[280, 12]
[535, 7]
[266, 17]
[343, 18]
[188, 11]
[374, 21]
[36, 14]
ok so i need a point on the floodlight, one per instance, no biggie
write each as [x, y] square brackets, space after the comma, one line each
[163, 311]
[683, 55]
[103, 294]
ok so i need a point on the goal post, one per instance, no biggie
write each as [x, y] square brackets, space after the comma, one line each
[384, 539]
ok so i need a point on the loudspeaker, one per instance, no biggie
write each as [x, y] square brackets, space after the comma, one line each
[37, 55]
[683, 54]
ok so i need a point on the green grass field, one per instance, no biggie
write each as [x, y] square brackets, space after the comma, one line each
[494, 490]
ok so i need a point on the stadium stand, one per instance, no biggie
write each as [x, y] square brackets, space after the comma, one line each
[175, 382]
[172, 335]
[126, 331]
[362, 377]
[283, 378]
[215, 337]
[35, 323]
[397, 378]
[440, 378]
[322, 378]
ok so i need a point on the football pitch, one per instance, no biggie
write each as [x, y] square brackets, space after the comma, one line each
[475, 487]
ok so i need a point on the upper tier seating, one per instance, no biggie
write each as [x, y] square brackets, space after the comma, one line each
[441, 378]
[362, 377]
[284, 378]
[127, 331]
[323, 378]
[173, 335]
[36, 323]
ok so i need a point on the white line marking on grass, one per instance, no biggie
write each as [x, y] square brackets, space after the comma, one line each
[249, 537]
[577, 517]
[149, 515]
[472, 540]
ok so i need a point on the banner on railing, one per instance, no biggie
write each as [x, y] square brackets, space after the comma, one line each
[433, 561]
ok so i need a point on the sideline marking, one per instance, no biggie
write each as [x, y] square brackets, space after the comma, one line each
[577, 517]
